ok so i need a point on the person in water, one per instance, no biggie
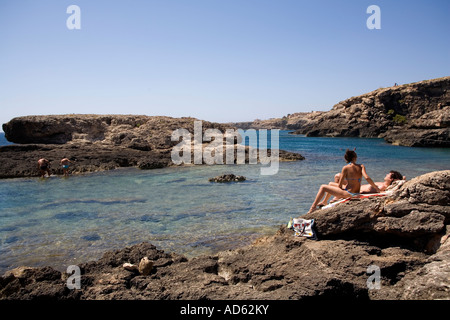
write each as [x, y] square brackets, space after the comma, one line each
[349, 181]
[44, 167]
[390, 177]
[65, 166]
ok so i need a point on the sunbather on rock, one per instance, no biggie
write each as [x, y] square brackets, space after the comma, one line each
[390, 177]
[349, 181]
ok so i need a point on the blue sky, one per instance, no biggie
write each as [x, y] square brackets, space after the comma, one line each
[217, 60]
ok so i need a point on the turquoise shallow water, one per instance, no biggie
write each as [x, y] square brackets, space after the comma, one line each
[60, 222]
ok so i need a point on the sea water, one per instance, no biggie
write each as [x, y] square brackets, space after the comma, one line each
[65, 221]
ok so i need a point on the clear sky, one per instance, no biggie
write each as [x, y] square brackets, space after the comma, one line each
[217, 60]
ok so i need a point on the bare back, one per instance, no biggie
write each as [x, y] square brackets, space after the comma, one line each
[353, 173]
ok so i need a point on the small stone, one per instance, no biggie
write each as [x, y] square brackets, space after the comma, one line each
[145, 266]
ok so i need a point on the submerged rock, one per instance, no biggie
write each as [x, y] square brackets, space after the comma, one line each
[227, 178]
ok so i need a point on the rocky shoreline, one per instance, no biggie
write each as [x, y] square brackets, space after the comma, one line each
[98, 142]
[414, 115]
[404, 234]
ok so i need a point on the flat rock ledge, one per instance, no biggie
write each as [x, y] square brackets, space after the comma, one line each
[404, 235]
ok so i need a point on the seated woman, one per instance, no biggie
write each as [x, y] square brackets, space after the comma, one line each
[337, 177]
[352, 174]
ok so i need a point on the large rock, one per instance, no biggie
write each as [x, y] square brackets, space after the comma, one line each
[430, 129]
[131, 131]
[432, 189]
[431, 281]
[21, 160]
[353, 237]
[414, 214]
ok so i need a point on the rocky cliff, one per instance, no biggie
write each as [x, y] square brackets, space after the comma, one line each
[96, 142]
[404, 235]
[416, 114]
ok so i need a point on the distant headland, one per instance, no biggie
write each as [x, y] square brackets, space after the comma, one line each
[413, 115]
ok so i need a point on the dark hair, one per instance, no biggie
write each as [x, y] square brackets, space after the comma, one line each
[350, 155]
[395, 175]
